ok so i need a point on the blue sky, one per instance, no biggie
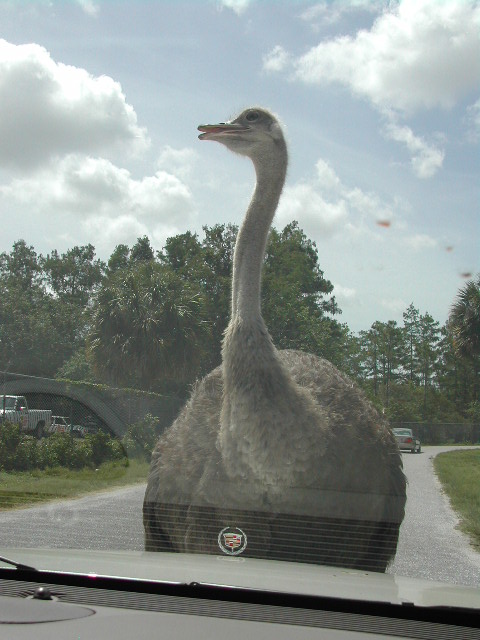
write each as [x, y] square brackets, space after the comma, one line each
[99, 104]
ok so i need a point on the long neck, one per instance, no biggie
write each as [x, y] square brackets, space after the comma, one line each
[254, 380]
[252, 237]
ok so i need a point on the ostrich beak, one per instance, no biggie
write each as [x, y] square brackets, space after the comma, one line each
[216, 131]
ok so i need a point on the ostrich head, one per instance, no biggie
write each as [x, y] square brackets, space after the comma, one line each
[254, 133]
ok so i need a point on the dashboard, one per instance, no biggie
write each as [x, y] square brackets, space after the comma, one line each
[43, 605]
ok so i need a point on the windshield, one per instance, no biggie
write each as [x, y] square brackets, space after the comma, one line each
[245, 250]
[8, 402]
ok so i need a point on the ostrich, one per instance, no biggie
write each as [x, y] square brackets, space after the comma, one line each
[278, 448]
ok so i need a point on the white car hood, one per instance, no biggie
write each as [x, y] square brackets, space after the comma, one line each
[265, 575]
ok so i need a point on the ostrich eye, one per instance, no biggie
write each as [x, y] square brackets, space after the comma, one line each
[252, 116]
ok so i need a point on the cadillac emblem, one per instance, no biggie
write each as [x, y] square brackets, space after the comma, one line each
[232, 541]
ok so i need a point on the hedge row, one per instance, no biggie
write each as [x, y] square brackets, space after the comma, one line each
[20, 452]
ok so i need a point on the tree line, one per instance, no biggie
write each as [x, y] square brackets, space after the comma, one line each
[155, 320]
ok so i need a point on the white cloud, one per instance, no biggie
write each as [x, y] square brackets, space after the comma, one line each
[180, 162]
[344, 294]
[394, 305]
[276, 60]
[238, 6]
[361, 238]
[51, 109]
[327, 178]
[327, 13]
[473, 115]
[369, 205]
[103, 199]
[108, 232]
[326, 206]
[89, 7]
[305, 202]
[427, 159]
[420, 54]
[421, 241]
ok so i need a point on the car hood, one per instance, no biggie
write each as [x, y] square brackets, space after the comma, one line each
[249, 573]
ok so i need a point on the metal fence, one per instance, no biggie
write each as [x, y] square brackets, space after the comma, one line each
[443, 432]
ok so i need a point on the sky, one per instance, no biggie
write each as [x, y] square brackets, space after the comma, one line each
[380, 103]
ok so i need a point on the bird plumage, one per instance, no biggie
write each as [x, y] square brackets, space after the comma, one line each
[279, 444]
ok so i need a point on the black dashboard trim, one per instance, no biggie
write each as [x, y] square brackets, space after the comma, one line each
[441, 615]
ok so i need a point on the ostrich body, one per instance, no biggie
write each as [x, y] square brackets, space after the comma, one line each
[279, 444]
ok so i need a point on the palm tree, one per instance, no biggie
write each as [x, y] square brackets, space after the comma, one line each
[465, 319]
[464, 322]
[147, 328]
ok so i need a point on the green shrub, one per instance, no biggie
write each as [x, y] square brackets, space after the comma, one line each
[83, 449]
[141, 437]
[10, 438]
[60, 449]
[118, 450]
[24, 453]
[99, 447]
[48, 453]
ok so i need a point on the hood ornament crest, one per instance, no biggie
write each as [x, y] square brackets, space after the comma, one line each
[232, 541]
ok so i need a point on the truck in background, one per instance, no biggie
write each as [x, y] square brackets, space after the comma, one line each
[15, 409]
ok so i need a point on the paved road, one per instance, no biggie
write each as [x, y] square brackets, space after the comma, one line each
[107, 520]
[430, 546]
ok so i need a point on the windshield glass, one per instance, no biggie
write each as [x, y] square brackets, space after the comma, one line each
[245, 249]
[8, 402]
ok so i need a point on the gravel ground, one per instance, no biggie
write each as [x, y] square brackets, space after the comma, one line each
[430, 544]
[107, 520]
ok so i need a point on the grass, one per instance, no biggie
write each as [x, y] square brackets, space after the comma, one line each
[25, 488]
[459, 473]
